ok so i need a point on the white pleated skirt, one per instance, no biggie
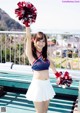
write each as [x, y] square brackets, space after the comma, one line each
[40, 90]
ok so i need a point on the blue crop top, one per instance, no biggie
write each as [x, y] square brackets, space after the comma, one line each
[40, 64]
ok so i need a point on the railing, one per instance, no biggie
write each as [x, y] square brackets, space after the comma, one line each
[12, 45]
[65, 54]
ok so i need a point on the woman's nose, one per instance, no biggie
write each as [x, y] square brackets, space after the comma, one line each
[41, 43]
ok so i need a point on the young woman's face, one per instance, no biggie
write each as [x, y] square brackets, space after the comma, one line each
[39, 43]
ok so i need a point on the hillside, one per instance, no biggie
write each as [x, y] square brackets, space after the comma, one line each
[9, 24]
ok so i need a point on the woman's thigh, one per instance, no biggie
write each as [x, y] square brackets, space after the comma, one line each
[41, 107]
[46, 104]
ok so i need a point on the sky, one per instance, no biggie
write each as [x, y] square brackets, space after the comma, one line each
[51, 14]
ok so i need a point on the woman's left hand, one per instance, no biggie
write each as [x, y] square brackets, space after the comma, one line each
[58, 81]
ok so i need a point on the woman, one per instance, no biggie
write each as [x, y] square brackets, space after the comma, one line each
[40, 90]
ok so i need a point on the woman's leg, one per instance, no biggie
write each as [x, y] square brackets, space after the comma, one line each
[46, 104]
[39, 107]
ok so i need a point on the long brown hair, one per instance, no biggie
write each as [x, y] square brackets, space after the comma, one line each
[44, 50]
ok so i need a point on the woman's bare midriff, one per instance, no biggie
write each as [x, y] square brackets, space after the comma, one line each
[42, 75]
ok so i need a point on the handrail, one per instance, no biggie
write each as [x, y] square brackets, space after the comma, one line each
[12, 37]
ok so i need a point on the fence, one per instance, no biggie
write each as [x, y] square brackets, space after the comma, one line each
[64, 49]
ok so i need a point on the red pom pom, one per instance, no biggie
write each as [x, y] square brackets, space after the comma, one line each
[65, 79]
[58, 74]
[26, 12]
[66, 75]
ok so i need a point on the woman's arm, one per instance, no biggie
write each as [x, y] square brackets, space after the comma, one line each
[56, 73]
[28, 45]
[52, 66]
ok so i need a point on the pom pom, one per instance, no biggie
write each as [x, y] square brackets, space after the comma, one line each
[64, 86]
[26, 12]
[65, 80]
[66, 75]
[58, 74]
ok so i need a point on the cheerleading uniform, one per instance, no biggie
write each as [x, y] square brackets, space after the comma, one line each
[40, 64]
[40, 90]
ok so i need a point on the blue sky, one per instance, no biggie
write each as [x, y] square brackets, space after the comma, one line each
[52, 14]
